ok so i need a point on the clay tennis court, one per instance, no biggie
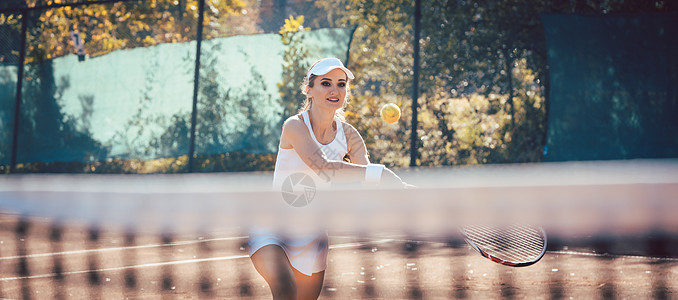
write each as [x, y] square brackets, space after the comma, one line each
[620, 240]
[39, 262]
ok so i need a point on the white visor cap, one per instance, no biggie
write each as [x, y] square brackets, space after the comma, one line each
[326, 65]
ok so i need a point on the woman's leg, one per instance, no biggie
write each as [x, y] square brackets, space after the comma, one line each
[285, 281]
[309, 287]
[272, 263]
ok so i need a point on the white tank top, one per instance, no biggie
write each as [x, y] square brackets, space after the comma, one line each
[289, 162]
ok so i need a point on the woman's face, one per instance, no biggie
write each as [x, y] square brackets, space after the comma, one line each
[329, 90]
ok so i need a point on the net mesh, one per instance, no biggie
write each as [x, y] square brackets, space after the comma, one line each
[163, 236]
[128, 101]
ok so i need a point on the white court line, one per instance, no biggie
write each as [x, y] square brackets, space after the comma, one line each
[337, 246]
[613, 255]
[176, 262]
[119, 248]
[169, 263]
[563, 252]
[73, 252]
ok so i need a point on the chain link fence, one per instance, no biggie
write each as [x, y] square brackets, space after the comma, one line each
[150, 86]
[122, 86]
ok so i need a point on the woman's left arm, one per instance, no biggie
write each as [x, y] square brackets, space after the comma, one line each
[357, 151]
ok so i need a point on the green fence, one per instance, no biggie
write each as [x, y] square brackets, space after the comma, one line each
[614, 86]
[191, 85]
[136, 103]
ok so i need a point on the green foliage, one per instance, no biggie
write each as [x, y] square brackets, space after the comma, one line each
[226, 162]
[109, 166]
[125, 25]
[235, 162]
[381, 58]
[44, 124]
[483, 77]
[483, 80]
[232, 119]
[228, 120]
[479, 63]
[294, 65]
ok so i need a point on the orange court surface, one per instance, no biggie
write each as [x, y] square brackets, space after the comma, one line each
[41, 261]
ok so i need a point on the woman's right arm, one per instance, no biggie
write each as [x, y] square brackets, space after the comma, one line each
[295, 135]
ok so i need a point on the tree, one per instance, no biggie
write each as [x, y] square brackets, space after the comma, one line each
[130, 24]
[105, 28]
[294, 65]
[483, 81]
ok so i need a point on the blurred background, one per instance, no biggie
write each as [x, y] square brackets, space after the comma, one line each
[203, 87]
[174, 86]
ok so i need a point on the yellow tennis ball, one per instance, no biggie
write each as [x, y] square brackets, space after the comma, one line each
[390, 113]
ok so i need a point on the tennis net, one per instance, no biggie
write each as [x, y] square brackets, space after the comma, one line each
[612, 229]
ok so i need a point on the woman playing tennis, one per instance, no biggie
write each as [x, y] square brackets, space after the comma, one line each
[313, 142]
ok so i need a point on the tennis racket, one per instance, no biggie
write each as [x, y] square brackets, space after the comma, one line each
[509, 245]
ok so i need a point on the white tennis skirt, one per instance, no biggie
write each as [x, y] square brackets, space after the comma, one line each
[307, 254]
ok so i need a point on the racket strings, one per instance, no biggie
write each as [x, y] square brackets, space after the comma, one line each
[510, 241]
[515, 243]
[507, 245]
